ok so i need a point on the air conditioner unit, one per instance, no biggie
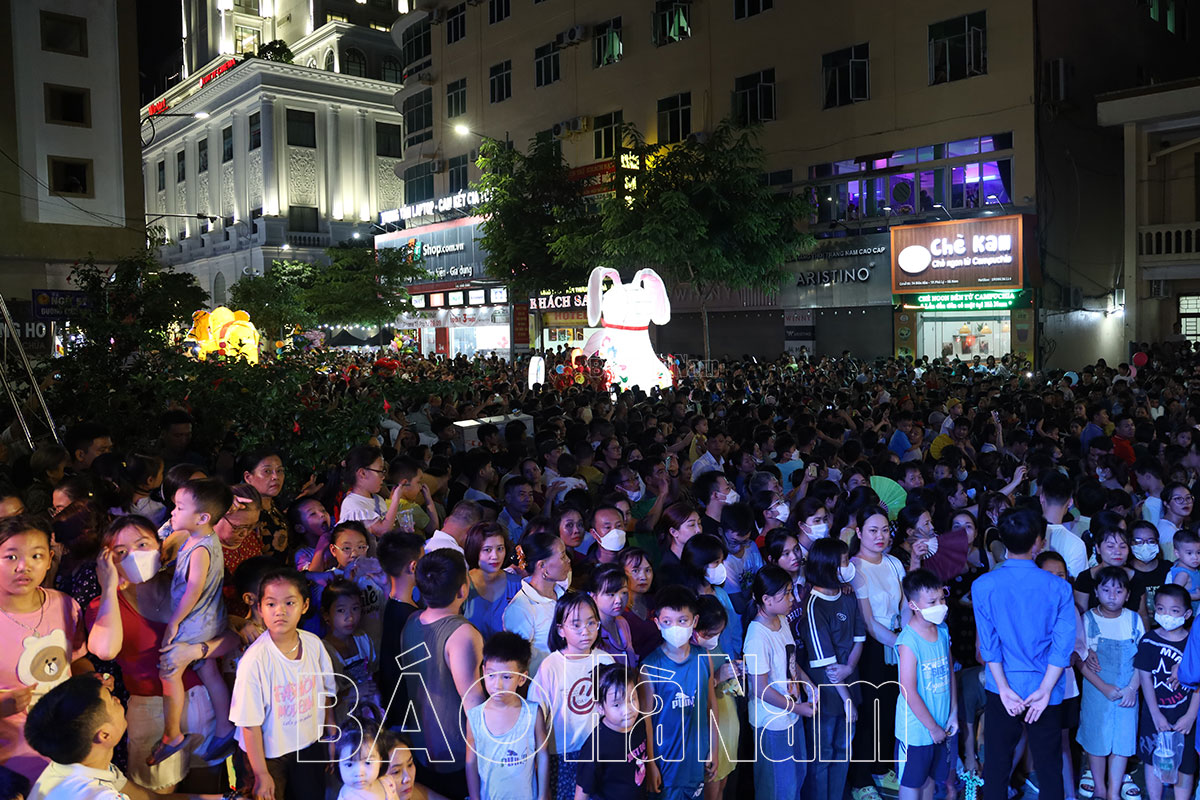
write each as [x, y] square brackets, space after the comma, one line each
[437, 16]
[1160, 289]
[425, 77]
[438, 165]
[576, 35]
[569, 127]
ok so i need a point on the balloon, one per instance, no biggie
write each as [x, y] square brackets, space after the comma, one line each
[1133, 371]
[537, 371]
[1072, 377]
[559, 369]
[1140, 359]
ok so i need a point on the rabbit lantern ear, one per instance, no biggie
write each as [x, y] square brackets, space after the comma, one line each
[596, 290]
[660, 306]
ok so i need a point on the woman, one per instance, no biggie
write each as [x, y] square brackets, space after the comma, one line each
[812, 518]
[126, 623]
[608, 454]
[678, 523]
[1112, 546]
[642, 627]
[915, 536]
[492, 587]
[568, 524]
[1149, 567]
[531, 612]
[47, 465]
[263, 469]
[1177, 508]
[961, 623]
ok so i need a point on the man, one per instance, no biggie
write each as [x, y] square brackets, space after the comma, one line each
[518, 499]
[608, 530]
[175, 437]
[1054, 493]
[1025, 620]
[713, 492]
[714, 455]
[85, 442]
[480, 475]
[453, 534]
[1097, 422]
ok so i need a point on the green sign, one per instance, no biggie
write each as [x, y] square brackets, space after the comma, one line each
[967, 301]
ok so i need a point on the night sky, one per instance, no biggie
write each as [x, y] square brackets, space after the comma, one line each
[159, 46]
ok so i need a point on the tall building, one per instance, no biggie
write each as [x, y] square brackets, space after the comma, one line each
[886, 115]
[69, 166]
[248, 160]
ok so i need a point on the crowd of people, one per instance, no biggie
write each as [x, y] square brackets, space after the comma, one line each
[810, 578]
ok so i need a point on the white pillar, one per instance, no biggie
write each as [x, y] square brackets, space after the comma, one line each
[333, 158]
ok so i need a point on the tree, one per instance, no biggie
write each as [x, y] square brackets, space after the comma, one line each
[275, 301]
[362, 285]
[528, 203]
[276, 50]
[700, 214]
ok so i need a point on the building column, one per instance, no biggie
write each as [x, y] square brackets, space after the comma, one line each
[333, 158]
[270, 187]
[239, 168]
[363, 174]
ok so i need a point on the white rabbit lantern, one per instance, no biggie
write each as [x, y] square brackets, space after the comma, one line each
[625, 311]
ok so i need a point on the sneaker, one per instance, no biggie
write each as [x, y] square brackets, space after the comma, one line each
[865, 793]
[888, 782]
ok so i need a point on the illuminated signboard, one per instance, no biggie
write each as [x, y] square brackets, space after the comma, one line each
[219, 71]
[958, 255]
[157, 108]
[418, 301]
[968, 301]
[437, 300]
[475, 297]
[499, 295]
[455, 202]
[455, 298]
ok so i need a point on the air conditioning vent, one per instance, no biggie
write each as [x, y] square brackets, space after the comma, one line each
[569, 127]
[1160, 289]
[438, 165]
[425, 77]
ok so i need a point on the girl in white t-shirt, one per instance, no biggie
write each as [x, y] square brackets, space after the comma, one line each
[364, 470]
[352, 652]
[565, 685]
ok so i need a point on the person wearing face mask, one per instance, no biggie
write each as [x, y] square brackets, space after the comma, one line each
[1164, 705]
[1150, 569]
[608, 530]
[813, 519]
[125, 625]
[713, 490]
[704, 572]
[926, 710]
[744, 559]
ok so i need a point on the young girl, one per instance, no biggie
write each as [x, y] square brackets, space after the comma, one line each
[352, 652]
[277, 698]
[531, 613]
[813, 520]
[607, 588]
[640, 574]
[834, 633]
[311, 526]
[361, 754]
[564, 685]
[1055, 564]
[33, 621]
[704, 573]
[711, 622]
[783, 550]
[145, 474]
[492, 587]
[776, 699]
[364, 470]
[1108, 713]
[351, 547]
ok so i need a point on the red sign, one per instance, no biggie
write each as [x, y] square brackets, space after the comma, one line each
[157, 108]
[521, 325]
[219, 71]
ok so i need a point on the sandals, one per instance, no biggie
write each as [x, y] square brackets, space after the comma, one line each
[1129, 789]
[162, 751]
[1087, 786]
[220, 747]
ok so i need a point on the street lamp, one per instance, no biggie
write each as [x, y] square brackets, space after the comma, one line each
[148, 128]
[997, 200]
[943, 208]
[463, 130]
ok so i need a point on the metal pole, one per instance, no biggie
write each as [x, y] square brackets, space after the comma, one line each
[37, 390]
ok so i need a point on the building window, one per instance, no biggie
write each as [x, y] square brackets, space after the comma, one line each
[418, 183]
[390, 71]
[180, 167]
[498, 10]
[606, 43]
[161, 169]
[219, 292]
[227, 144]
[606, 134]
[246, 39]
[73, 176]
[354, 63]
[958, 48]
[500, 78]
[336, 18]
[418, 117]
[1189, 316]
[547, 137]
[303, 219]
[672, 21]
[255, 131]
[301, 128]
[545, 65]
[63, 33]
[458, 173]
[456, 23]
[67, 105]
[748, 8]
[674, 118]
[416, 45]
[847, 76]
[754, 98]
[202, 156]
[387, 140]
[456, 98]
[329, 63]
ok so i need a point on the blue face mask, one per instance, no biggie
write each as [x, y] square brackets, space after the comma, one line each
[971, 494]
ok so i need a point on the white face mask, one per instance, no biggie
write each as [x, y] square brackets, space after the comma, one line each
[676, 635]
[613, 541]
[707, 644]
[847, 573]
[730, 497]
[1145, 552]
[633, 496]
[935, 615]
[140, 566]
[961, 474]
[716, 575]
[818, 531]
[781, 511]
[1168, 622]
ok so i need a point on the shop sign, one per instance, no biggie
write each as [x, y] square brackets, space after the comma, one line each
[966, 301]
[58, 305]
[453, 318]
[445, 250]
[157, 107]
[982, 253]
[227, 65]
[821, 277]
[456, 202]
[558, 301]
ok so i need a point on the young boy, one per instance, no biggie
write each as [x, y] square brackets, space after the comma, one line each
[414, 497]
[1165, 708]
[678, 681]
[199, 614]
[76, 725]
[926, 710]
[398, 555]
[1186, 571]
[613, 765]
[507, 754]
[442, 654]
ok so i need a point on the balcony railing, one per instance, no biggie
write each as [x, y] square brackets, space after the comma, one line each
[1166, 243]
[308, 239]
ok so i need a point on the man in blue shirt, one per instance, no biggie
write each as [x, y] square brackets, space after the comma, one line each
[900, 444]
[1026, 626]
[1097, 422]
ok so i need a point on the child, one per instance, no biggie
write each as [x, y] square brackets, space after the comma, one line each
[398, 555]
[926, 710]
[614, 763]
[351, 651]
[1186, 572]
[351, 547]
[199, 614]
[1055, 564]
[1108, 712]
[1165, 708]
[246, 580]
[834, 632]
[711, 623]
[506, 734]
[773, 676]
[414, 501]
[311, 524]
[361, 754]
[607, 587]
[32, 621]
[365, 470]
[564, 685]
[279, 704]
[679, 684]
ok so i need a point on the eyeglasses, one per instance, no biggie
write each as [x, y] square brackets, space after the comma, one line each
[376, 471]
[1181, 498]
[587, 626]
[358, 551]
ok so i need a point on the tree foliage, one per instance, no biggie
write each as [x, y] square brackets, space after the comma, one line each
[276, 301]
[529, 201]
[361, 285]
[276, 50]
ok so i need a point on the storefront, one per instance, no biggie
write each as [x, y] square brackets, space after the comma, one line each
[964, 288]
[560, 319]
